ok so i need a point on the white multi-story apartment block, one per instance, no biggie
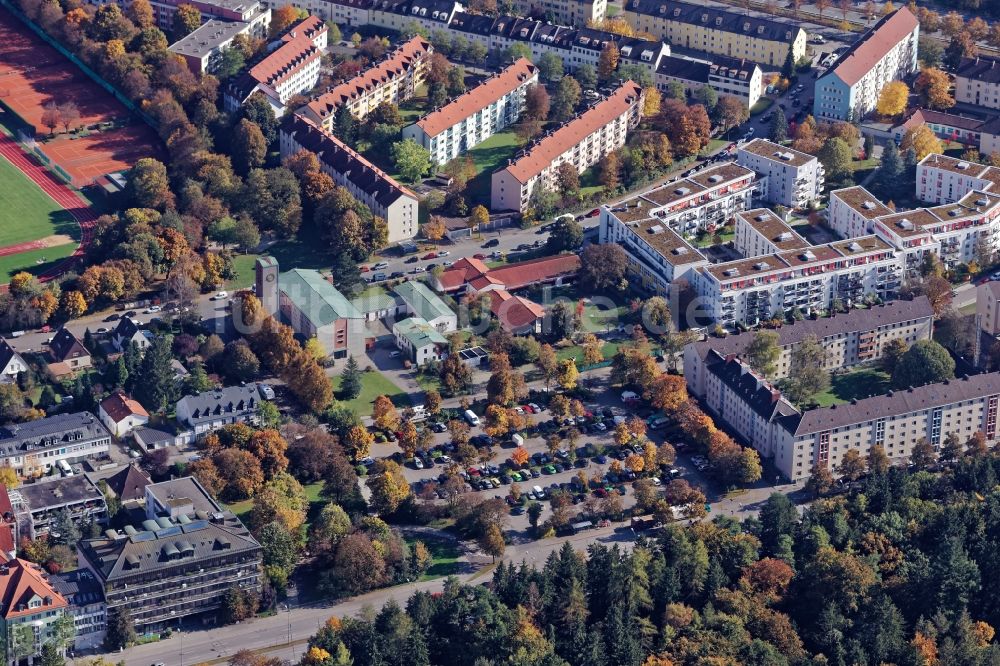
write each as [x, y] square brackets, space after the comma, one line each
[656, 255]
[795, 441]
[760, 232]
[977, 81]
[252, 12]
[290, 69]
[578, 13]
[943, 179]
[741, 79]
[394, 79]
[582, 142]
[476, 115]
[850, 339]
[757, 289]
[385, 197]
[849, 90]
[907, 231]
[202, 49]
[792, 178]
[852, 211]
[967, 228]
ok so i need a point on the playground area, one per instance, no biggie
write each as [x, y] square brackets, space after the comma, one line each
[103, 138]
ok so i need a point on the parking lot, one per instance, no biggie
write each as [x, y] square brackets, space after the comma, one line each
[593, 453]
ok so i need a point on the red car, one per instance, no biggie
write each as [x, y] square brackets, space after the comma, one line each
[430, 255]
[594, 213]
[528, 409]
[474, 471]
[479, 255]
[601, 492]
[364, 269]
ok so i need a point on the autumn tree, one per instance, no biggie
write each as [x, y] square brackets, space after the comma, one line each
[384, 414]
[763, 352]
[807, 374]
[922, 140]
[607, 62]
[388, 486]
[892, 100]
[934, 88]
[358, 442]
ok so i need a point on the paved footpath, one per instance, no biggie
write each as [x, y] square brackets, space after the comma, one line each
[58, 192]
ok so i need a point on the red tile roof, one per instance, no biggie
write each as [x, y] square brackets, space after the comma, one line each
[514, 312]
[524, 273]
[569, 134]
[462, 271]
[287, 59]
[20, 582]
[399, 61]
[478, 98]
[874, 45]
[311, 26]
[119, 407]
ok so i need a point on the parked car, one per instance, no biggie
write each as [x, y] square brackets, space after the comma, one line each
[430, 255]
[220, 296]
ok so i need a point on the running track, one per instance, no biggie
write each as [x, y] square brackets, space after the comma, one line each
[59, 193]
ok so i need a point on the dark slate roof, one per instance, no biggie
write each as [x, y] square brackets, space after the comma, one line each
[141, 550]
[126, 328]
[477, 24]
[981, 68]
[65, 345]
[424, 8]
[699, 70]
[6, 353]
[854, 320]
[58, 492]
[763, 398]
[210, 405]
[129, 484]
[733, 20]
[342, 159]
[79, 587]
[895, 403]
[52, 431]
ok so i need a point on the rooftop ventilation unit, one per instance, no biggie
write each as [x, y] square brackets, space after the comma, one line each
[680, 250]
[785, 236]
[732, 272]
[868, 205]
[905, 224]
[762, 217]
[962, 165]
[714, 178]
[656, 229]
[854, 247]
[762, 266]
[808, 255]
[682, 191]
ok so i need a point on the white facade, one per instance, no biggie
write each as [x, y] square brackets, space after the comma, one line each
[977, 81]
[853, 210]
[741, 79]
[582, 142]
[794, 179]
[14, 365]
[942, 179]
[567, 12]
[760, 232]
[476, 115]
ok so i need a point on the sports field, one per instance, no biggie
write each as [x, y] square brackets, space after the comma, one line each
[34, 230]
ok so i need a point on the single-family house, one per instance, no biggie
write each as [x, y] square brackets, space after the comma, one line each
[122, 414]
[11, 363]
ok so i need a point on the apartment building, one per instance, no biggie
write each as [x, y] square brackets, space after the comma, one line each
[86, 605]
[251, 12]
[757, 289]
[179, 562]
[577, 13]
[404, 15]
[38, 505]
[961, 227]
[290, 69]
[977, 81]
[29, 607]
[852, 211]
[394, 79]
[852, 338]
[988, 308]
[657, 255]
[211, 410]
[946, 126]
[386, 198]
[849, 90]
[792, 178]
[759, 232]
[797, 441]
[737, 78]
[582, 142]
[312, 306]
[907, 231]
[943, 179]
[718, 30]
[34, 448]
[475, 115]
[202, 49]
[586, 44]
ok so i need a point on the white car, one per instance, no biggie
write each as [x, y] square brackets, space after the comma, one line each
[222, 295]
[443, 253]
[153, 308]
[381, 264]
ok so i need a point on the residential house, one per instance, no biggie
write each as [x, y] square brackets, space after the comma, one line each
[576, 13]
[67, 354]
[581, 142]
[34, 448]
[86, 605]
[944, 179]
[420, 341]
[202, 49]
[977, 81]
[29, 607]
[122, 414]
[419, 301]
[179, 563]
[852, 211]
[211, 410]
[8, 526]
[127, 332]
[850, 89]
[39, 505]
[725, 31]
[11, 363]
[761, 232]
[789, 177]
[736, 77]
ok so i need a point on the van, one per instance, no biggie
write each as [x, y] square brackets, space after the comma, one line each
[65, 468]
[471, 417]
[539, 492]
[518, 440]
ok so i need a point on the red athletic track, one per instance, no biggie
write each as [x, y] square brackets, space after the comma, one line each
[59, 193]
[21, 247]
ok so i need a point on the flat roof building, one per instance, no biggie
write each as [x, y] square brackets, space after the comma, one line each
[788, 177]
[202, 49]
[760, 232]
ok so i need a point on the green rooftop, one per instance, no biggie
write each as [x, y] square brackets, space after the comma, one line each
[419, 333]
[424, 302]
[316, 298]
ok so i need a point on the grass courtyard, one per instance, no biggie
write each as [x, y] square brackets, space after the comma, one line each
[488, 156]
[373, 384]
[849, 386]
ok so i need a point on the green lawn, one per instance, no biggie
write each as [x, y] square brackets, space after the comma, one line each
[576, 352]
[853, 385]
[487, 156]
[316, 503]
[444, 557]
[27, 213]
[306, 250]
[714, 145]
[244, 266]
[33, 261]
[373, 384]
